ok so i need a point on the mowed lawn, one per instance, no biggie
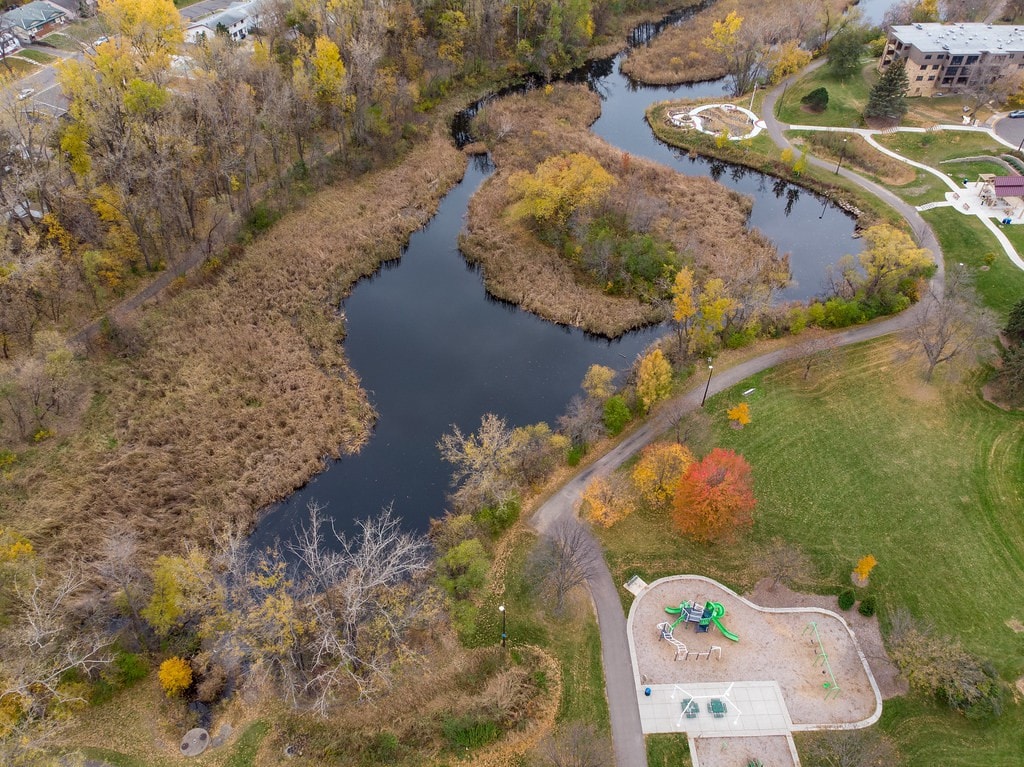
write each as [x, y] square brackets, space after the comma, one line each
[864, 457]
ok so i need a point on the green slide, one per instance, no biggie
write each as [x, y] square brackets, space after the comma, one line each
[717, 611]
[680, 611]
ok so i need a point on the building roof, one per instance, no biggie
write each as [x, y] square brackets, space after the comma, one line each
[1009, 186]
[961, 38]
[34, 14]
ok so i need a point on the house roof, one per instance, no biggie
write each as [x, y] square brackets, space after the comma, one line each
[961, 39]
[1009, 186]
[34, 15]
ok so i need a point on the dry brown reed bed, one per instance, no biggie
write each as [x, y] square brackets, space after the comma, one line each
[241, 390]
[698, 216]
[678, 55]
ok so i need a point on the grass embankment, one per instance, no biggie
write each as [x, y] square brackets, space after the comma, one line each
[852, 151]
[235, 390]
[863, 457]
[847, 97]
[932, 148]
[678, 54]
[700, 219]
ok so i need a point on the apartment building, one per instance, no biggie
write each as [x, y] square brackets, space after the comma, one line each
[944, 58]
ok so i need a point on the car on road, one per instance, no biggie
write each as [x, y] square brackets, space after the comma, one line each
[1016, 113]
[24, 93]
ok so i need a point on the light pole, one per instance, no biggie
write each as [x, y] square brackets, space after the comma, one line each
[823, 206]
[711, 369]
[842, 153]
[504, 635]
[754, 93]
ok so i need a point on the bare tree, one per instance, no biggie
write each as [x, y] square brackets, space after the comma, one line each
[563, 560]
[814, 345]
[860, 748]
[785, 562]
[362, 596]
[992, 82]
[965, 10]
[581, 422]
[43, 645]
[574, 745]
[119, 567]
[481, 463]
[951, 324]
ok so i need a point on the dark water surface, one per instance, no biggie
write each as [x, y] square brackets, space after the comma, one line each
[432, 349]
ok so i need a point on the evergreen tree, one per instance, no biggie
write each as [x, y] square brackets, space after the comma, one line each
[887, 99]
[1015, 322]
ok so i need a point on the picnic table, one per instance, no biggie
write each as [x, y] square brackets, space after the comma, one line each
[717, 708]
[691, 708]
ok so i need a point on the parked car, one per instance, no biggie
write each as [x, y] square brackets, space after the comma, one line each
[1017, 113]
[99, 41]
[24, 93]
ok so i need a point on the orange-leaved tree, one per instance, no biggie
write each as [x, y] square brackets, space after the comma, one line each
[175, 676]
[714, 498]
[605, 501]
[658, 471]
[740, 414]
[864, 566]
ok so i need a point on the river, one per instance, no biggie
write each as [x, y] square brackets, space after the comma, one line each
[433, 349]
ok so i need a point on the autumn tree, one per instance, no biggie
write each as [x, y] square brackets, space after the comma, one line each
[785, 562]
[787, 59]
[606, 500]
[599, 382]
[653, 379]
[715, 306]
[684, 305]
[739, 414]
[744, 44]
[175, 676]
[886, 272]
[658, 470]
[480, 463]
[535, 451]
[559, 187]
[864, 567]
[715, 499]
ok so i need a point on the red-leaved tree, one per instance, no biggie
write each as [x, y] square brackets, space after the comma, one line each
[714, 498]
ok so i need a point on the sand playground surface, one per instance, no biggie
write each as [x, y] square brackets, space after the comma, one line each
[793, 668]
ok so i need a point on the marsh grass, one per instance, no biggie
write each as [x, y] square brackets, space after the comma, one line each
[240, 389]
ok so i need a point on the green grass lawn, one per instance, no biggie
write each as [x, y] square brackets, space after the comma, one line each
[933, 148]
[16, 67]
[926, 187]
[846, 100]
[37, 56]
[965, 240]
[668, 750]
[970, 170]
[863, 457]
[62, 41]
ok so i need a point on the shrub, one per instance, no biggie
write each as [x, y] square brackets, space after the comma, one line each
[616, 415]
[846, 599]
[175, 676]
[497, 519]
[816, 100]
[464, 732]
[575, 455]
[867, 606]
[384, 747]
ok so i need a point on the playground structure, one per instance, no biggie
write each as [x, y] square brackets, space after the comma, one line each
[681, 650]
[702, 615]
[821, 658]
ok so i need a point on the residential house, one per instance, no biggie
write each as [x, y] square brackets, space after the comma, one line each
[236, 22]
[33, 20]
[946, 58]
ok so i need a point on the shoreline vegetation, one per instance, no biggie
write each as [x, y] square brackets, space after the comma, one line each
[524, 131]
[678, 55]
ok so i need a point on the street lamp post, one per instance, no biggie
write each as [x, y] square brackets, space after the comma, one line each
[842, 153]
[504, 635]
[711, 369]
[823, 206]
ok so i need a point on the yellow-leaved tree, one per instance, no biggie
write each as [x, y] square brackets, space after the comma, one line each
[653, 379]
[598, 382]
[684, 306]
[657, 472]
[558, 188]
[715, 306]
[864, 567]
[151, 29]
[605, 501]
[175, 676]
[740, 414]
[787, 59]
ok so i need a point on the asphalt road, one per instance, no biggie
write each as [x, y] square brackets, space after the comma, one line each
[1011, 129]
[197, 10]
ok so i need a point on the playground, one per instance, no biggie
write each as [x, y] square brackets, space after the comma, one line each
[812, 672]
